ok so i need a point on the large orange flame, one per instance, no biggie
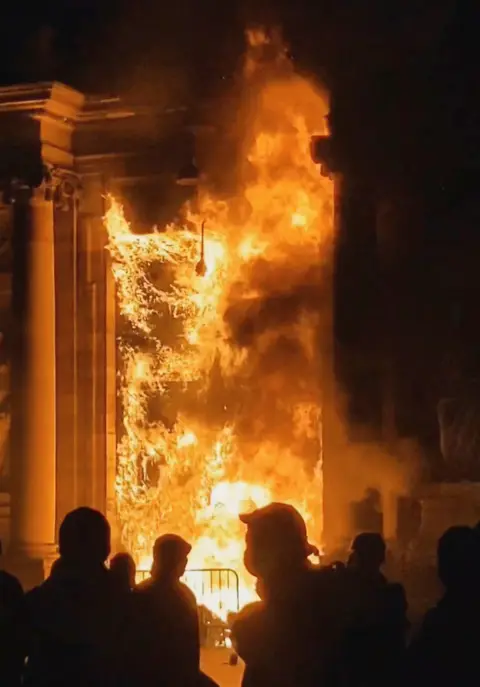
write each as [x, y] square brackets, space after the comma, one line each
[235, 350]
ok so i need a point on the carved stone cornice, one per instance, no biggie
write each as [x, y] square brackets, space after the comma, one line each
[58, 101]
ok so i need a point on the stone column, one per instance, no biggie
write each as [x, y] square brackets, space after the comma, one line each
[111, 399]
[34, 396]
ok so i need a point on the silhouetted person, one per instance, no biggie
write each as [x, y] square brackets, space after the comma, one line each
[290, 636]
[123, 572]
[11, 600]
[376, 623]
[169, 617]
[445, 650]
[75, 620]
[368, 555]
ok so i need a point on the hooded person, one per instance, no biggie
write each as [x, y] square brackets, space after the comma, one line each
[75, 619]
[286, 638]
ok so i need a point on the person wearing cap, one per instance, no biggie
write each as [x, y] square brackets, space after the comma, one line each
[276, 537]
[376, 622]
[287, 637]
[169, 617]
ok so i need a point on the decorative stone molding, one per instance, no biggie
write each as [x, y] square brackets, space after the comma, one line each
[64, 187]
[50, 183]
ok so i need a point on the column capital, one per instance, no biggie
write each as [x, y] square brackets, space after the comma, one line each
[46, 182]
[64, 187]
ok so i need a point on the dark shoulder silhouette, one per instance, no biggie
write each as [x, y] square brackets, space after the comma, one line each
[445, 650]
[11, 630]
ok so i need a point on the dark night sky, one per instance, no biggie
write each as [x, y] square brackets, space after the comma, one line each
[404, 76]
[404, 72]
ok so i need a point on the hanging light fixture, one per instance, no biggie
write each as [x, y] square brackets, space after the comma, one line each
[189, 175]
[201, 268]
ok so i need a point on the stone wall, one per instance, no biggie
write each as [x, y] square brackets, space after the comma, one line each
[444, 505]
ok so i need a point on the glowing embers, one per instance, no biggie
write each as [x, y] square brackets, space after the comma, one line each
[219, 371]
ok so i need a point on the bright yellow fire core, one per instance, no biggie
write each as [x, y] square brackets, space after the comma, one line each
[235, 352]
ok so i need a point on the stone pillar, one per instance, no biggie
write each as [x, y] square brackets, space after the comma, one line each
[33, 462]
[98, 351]
[71, 457]
[111, 399]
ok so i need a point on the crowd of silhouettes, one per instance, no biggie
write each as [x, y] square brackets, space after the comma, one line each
[341, 625]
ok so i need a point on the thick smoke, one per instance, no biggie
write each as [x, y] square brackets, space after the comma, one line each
[237, 384]
[278, 314]
[249, 318]
[273, 310]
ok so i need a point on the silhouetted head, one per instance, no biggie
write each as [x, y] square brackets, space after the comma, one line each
[84, 537]
[276, 540]
[170, 556]
[123, 571]
[368, 552]
[337, 566]
[458, 558]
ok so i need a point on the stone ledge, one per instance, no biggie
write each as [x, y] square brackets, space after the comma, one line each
[54, 98]
[37, 123]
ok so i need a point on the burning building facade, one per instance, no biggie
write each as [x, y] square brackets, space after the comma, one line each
[168, 396]
[221, 389]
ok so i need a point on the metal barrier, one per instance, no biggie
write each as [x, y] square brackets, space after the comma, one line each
[217, 591]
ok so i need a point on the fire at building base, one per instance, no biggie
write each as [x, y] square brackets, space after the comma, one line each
[221, 389]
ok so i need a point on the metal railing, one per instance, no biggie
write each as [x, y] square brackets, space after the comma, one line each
[217, 591]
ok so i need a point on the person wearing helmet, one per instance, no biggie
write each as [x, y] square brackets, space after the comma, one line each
[169, 616]
[286, 638]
